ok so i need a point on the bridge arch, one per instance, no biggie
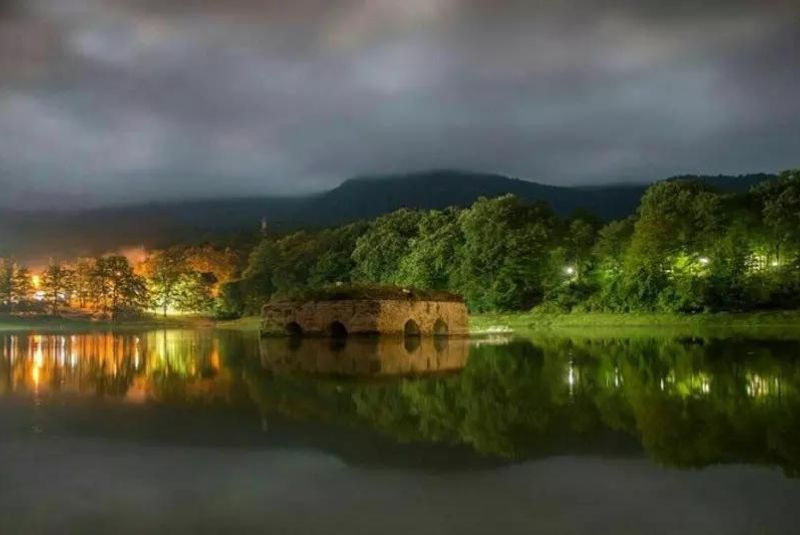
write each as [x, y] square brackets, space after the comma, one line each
[337, 329]
[293, 329]
[440, 328]
[411, 329]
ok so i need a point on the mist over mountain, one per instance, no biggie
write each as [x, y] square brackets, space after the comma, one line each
[34, 235]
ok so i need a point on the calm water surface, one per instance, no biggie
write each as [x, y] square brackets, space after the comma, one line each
[210, 431]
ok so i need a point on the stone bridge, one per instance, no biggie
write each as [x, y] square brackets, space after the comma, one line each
[342, 317]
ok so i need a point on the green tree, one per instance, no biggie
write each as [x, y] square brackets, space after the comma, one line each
[117, 287]
[428, 263]
[380, 249]
[82, 281]
[676, 218]
[678, 224]
[164, 271]
[612, 244]
[780, 205]
[256, 286]
[57, 284]
[334, 257]
[580, 237]
[194, 292]
[295, 255]
[504, 258]
[6, 283]
[21, 286]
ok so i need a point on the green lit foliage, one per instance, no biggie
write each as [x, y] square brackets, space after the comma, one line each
[256, 287]
[194, 292]
[380, 250]
[503, 260]
[429, 261]
[675, 218]
[6, 283]
[780, 208]
[176, 283]
[333, 258]
[296, 255]
[165, 269]
[688, 248]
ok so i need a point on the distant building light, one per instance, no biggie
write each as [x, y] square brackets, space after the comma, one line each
[774, 263]
[704, 260]
[569, 270]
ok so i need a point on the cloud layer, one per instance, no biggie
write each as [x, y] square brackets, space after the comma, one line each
[130, 100]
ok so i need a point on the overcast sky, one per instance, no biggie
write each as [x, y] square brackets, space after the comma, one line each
[128, 100]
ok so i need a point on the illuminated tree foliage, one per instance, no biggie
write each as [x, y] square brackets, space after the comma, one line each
[82, 282]
[58, 285]
[164, 271]
[117, 290]
[194, 292]
[7, 269]
[688, 248]
[380, 250]
[502, 262]
[21, 286]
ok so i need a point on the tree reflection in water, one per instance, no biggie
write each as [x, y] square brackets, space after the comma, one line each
[690, 402]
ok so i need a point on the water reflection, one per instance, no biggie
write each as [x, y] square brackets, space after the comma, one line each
[135, 367]
[365, 356]
[689, 402]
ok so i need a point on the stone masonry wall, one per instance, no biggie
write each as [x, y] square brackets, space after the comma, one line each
[365, 316]
[394, 315]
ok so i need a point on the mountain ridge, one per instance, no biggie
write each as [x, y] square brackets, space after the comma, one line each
[33, 234]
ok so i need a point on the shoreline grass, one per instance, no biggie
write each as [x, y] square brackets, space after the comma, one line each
[523, 321]
[480, 324]
[60, 323]
[245, 323]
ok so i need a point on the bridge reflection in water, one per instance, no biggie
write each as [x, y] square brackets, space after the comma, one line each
[686, 401]
[365, 356]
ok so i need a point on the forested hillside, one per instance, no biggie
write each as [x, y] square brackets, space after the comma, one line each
[37, 236]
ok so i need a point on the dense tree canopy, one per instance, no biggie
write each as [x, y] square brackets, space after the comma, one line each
[688, 248]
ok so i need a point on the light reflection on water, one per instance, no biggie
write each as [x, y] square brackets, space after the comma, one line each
[687, 402]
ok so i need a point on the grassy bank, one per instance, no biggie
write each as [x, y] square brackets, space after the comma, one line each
[247, 323]
[479, 323]
[529, 321]
[57, 323]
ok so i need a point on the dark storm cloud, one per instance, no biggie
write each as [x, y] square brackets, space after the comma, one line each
[114, 100]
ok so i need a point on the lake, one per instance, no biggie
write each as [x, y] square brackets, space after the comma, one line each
[208, 431]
